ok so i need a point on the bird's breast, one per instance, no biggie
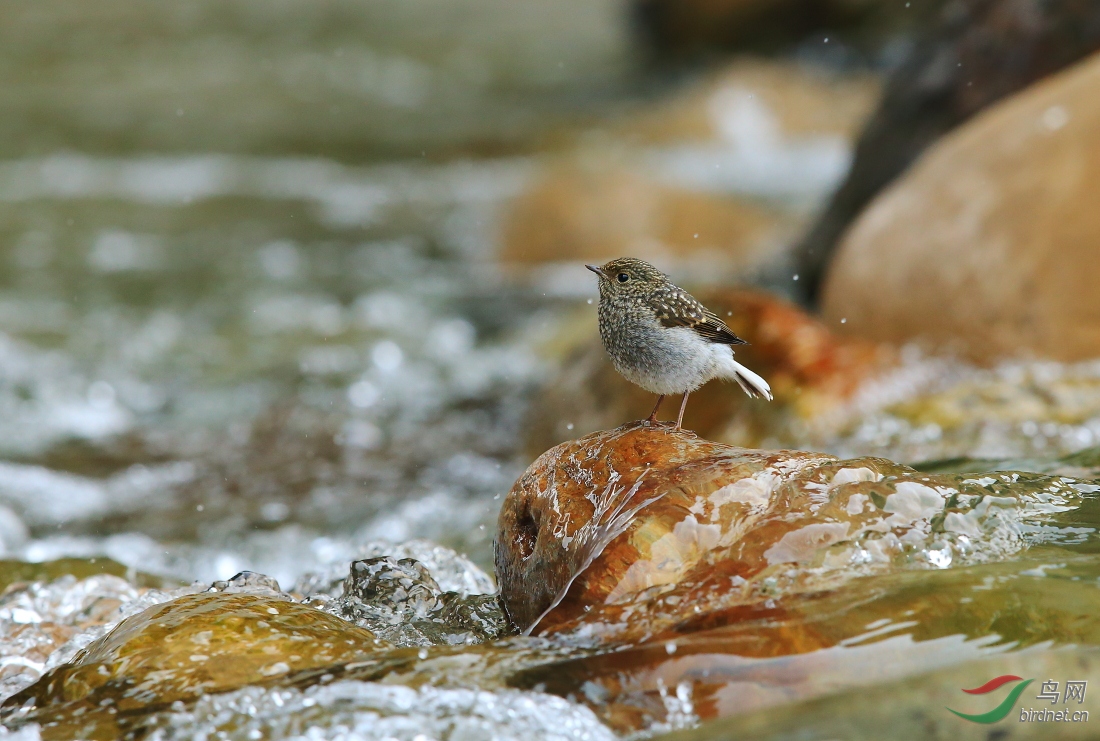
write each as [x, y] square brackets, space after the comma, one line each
[662, 360]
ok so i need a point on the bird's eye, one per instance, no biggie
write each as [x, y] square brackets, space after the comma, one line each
[623, 277]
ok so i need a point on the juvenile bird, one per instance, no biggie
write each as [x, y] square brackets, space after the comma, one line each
[661, 338]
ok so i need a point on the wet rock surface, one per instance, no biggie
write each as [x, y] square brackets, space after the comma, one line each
[180, 650]
[399, 601]
[115, 655]
[649, 531]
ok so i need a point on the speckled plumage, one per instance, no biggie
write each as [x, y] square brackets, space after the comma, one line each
[661, 338]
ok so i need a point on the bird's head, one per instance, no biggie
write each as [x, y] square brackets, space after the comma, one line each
[628, 276]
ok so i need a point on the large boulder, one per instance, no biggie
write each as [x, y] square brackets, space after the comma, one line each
[979, 52]
[989, 245]
[649, 532]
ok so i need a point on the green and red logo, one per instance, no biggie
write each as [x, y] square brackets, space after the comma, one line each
[999, 712]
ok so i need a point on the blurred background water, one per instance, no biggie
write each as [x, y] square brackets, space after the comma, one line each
[253, 302]
[280, 280]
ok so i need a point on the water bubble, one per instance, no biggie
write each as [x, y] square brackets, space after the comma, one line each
[280, 260]
[101, 395]
[274, 511]
[361, 434]
[451, 338]
[363, 394]
[387, 356]
[1055, 117]
[116, 251]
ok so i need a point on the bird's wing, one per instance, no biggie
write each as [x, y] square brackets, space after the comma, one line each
[678, 308]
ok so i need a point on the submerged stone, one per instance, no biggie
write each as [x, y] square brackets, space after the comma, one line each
[398, 600]
[183, 649]
[646, 531]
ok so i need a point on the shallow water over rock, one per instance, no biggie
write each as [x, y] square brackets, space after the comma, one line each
[645, 529]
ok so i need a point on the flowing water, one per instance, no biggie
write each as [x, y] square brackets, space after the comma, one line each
[284, 342]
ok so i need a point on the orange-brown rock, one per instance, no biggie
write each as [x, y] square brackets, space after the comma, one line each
[647, 531]
[989, 244]
[744, 579]
[582, 210]
[812, 371]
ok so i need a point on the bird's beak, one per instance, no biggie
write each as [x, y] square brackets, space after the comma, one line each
[597, 270]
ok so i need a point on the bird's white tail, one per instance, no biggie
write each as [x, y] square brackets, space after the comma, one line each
[750, 382]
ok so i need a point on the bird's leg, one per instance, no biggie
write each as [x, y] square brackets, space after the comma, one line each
[683, 406]
[653, 414]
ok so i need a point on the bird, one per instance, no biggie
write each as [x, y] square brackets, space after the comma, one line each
[662, 338]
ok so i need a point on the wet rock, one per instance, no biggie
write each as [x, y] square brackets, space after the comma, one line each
[181, 650]
[813, 372]
[987, 246]
[452, 571]
[646, 531]
[978, 52]
[398, 600]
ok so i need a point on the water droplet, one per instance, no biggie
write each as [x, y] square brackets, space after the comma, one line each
[1055, 117]
[387, 356]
